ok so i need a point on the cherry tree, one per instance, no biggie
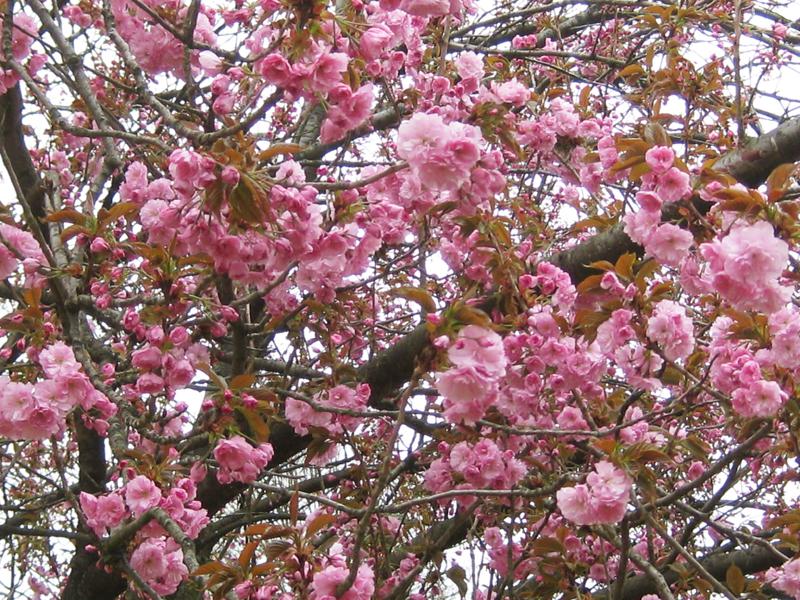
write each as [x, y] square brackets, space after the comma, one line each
[399, 299]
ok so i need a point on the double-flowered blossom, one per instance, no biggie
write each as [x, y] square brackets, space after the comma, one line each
[326, 581]
[601, 500]
[471, 385]
[440, 154]
[302, 415]
[745, 267]
[786, 579]
[483, 465]
[159, 562]
[671, 329]
[157, 558]
[38, 411]
[239, 461]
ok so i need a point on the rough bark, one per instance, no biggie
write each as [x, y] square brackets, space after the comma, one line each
[754, 559]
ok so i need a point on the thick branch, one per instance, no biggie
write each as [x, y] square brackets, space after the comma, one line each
[751, 560]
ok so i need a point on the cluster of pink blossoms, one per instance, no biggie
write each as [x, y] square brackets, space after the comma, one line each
[786, 579]
[735, 370]
[470, 386]
[18, 246]
[156, 49]
[302, 416]
[601, 500]
[503, 554]
[159, 562]
[158, 559]
[466, 466]
[440, 155]
[325, 583]
[348, 111]
[38, 411]
[239, 461]
[745, 267]
[671, 329]
[166, 361]
[663, 185]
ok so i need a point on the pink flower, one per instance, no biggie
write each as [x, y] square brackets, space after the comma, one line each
[787, 578]
[571, 418]
[147, 358]
[615, 331]
[641, 225]
[375, 41]
[325, 583]
[275, 69]
[745, 267]
[659, 159]
[671, 329]
[148, 561]
[760, 399]
[327, 71]
[512, 92]
[426, 8]
[239, 461]
[440, 155]
[421, 133]
[57, 360]
[649, 201]
[673, 185]
[575, 503]
[22, 36]
[141, 494]
[103, 512]
[602, 501]
[468, 392]
[159, 562]
[469, 65]
[477, 346]
[669, 244]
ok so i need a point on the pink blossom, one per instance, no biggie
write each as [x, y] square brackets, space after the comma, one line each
[649, 201]
[440, 155]
[745, 267]
[786, 578]
[159, 562]
[375, 41]
[512, 91]
[302, 416]
[615, 331]
[468, 392]
[659, 159]
[671, 329]
[669, 244]
[602, 500]
[477, 346]
[141, 494]
[325, 583]
[58, 360]
[275, 69]
[760, 399]
[571, 418]
[575, 503]
[103, 512]
[641, 225]
[147, 358]
[673, 185]
[22, 36]
[426, 8]
[239, 461]
[469, 65]
[327, 70]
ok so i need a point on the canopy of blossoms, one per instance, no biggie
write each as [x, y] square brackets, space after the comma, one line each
[399, 299]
